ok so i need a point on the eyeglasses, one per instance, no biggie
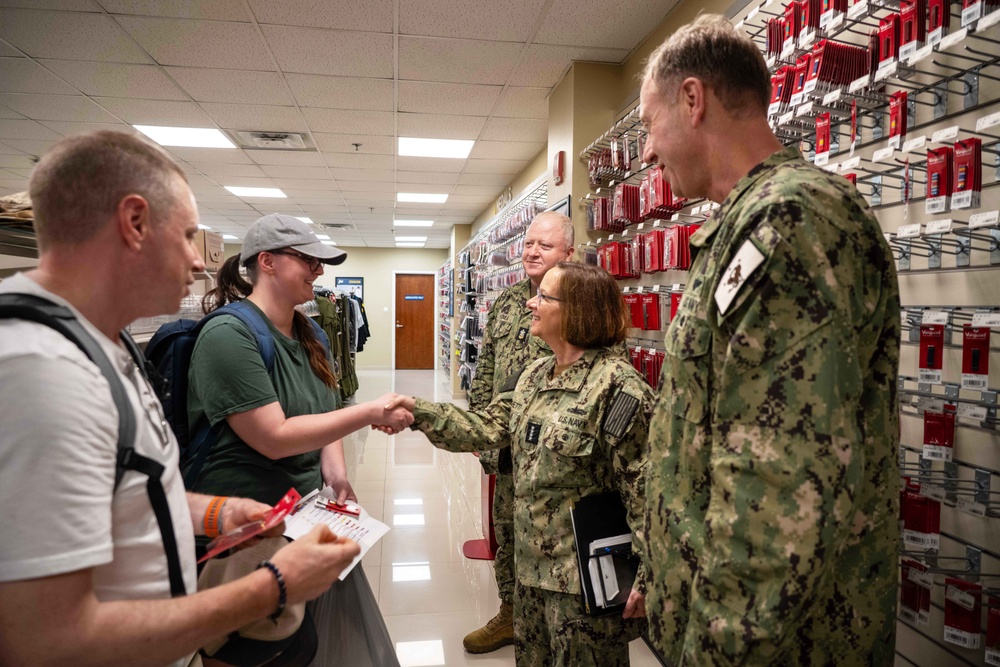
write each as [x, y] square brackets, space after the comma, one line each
[312, 262]
[542, 296]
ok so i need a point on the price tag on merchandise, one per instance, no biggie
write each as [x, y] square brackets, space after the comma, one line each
[810, 85]
[887, 69]
[971, 411]
[739, 26]
[833, 166]
[960, 597]
[906, 51]
[857, 10]
[927, 404]
[753, 13]
[908, 231]
[932, 491]
[771, 61]
[788, 48]
[831, 98]
[656, 288]
[821, 159]
[946, 135]
[938, 227]
[806, 39]
[934, 205]
[935, 317]
[859, 84]
[915, 144]
[960, 637]
[953, 39]
[920, 578]
[969, 506]
[851, 163]
[797, 99]
[837, 20]
[990, 320]
[786, 119]
[971, 14]
[934, 37]
[805, 109]
[988, 121]
[984, 219]
[921, 54]
[989, 21]
[882, 154]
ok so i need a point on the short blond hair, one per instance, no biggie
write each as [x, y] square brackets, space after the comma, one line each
[565, 225]
[712, 50]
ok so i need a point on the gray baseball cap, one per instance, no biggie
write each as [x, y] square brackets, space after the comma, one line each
[276, 231]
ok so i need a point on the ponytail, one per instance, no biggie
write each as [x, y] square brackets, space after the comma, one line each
[319, 360]
[230, 286]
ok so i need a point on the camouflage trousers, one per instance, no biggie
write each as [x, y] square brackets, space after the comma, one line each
[552, 630]
[503, 528]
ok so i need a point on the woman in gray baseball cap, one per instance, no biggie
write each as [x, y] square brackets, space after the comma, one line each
[281, 427]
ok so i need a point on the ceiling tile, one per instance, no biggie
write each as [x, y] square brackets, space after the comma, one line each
[67, 128]
[12, 130]
[156, 112]
[217, 170]
[429, 188]
[337, 92]
[427, 177]
[370, 199]
[16, 161]
[232, 86]
[365, 15]
[68, 36]
[434, 126]
[366, 186]
[516, 129]
[544, 65]
[456, 60]
[497, 20]
[287, 158]
[417, 211]
[57, 107]
[330, 52]
[21, 75]
[9, 113]
[17, 173]
[256, 117]
[484, 179]
[478, 199]
[380, 175]
[6, 50]
[447, 98]
[359, 161]
[344, 143]
[479, 190]
[297, 172]
[61, 5]
[434, 164]
[342, 121]
[227, 155]
[34, 147]
[495, 166]
[506, 150]
[596, 23]
[217, 10]
[116, 80]
[182, 42]
[516, 102]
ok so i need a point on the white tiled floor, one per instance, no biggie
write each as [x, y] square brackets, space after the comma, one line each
[429, 593]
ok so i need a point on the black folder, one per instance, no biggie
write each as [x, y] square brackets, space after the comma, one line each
[601, 518]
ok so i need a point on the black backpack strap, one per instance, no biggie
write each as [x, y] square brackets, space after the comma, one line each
[42, 311]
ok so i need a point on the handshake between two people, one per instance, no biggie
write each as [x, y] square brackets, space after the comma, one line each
[396, 413]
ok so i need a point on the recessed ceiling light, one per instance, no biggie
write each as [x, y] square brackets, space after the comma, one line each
[421, 198]
[453, 148]
[200, 226]
[308, 221]
[411, 239]
[230, 237]
[323, 237]
[409, 245]
[412, 223]
[256, 192]
[191, 137]
[329, 242]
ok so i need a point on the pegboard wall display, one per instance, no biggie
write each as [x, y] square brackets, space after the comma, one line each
[901, 97]
[445, 282]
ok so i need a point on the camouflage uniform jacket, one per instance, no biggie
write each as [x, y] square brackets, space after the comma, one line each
[581, 432]
[773, 483]
[507, 349]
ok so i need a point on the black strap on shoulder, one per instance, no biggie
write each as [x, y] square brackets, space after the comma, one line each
[36, 309]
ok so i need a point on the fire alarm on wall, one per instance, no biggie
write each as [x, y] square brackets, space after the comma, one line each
[558, 167]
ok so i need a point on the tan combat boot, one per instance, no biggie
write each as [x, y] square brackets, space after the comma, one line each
[498, 632]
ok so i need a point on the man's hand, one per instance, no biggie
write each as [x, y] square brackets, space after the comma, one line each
[400, 401]
[388, 416]
[636, 605]
[240, 511]
[312, 563]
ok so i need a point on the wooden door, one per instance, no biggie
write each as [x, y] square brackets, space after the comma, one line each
[414, 321]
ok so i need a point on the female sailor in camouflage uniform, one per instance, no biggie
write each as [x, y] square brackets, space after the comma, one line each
[578, 422]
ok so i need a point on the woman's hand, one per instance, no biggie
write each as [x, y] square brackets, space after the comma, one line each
[636, 605]
[389, 415]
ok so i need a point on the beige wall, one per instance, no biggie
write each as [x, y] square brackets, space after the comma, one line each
[534, 169]
[376, 266]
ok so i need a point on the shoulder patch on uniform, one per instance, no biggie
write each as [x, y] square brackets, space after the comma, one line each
[522, 335]
[511, 382]
[620, 414]
[746, 261]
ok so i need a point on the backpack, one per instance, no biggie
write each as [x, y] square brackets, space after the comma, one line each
[60, 318]
[169, 352]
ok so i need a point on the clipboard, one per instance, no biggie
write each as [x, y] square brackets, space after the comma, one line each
[603, 543]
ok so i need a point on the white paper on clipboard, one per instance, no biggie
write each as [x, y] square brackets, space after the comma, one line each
[363, 529]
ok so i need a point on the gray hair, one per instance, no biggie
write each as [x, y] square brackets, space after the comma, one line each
[565, 225]
[77, 185]
[712, 50]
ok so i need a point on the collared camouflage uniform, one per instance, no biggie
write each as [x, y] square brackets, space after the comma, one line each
[576, 453]
[507, 349]
[773, 483]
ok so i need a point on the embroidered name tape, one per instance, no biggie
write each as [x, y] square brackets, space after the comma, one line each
[746, 261]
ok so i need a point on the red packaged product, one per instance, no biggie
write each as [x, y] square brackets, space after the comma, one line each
[888, 37]
[963, 611]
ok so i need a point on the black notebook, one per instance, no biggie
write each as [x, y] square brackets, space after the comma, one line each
[603, 552]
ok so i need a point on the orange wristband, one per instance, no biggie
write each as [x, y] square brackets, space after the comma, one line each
[213, 516]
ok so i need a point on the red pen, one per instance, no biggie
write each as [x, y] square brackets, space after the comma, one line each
[332, 506]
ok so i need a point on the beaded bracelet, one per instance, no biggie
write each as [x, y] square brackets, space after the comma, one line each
[282, 591]
[212, 521]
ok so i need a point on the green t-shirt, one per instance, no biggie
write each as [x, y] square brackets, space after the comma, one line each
[227, 376]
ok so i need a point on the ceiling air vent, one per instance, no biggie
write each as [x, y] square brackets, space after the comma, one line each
[338, 225]
[286, 141]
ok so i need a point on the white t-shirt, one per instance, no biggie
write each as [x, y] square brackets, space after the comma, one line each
[58, 442]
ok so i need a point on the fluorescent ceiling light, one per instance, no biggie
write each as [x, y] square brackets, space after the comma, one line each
[421, 198]
[201, 226]
[412, 223]
[256, 192]
[323, 237]
[409, 245]
[453, 148]
[308, 221]
[411, 239]
[191, 137]
[230, 237]
[329, 242]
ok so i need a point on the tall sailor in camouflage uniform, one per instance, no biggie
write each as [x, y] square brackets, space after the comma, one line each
[577, 424]
[507, 349]
[773, 482]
